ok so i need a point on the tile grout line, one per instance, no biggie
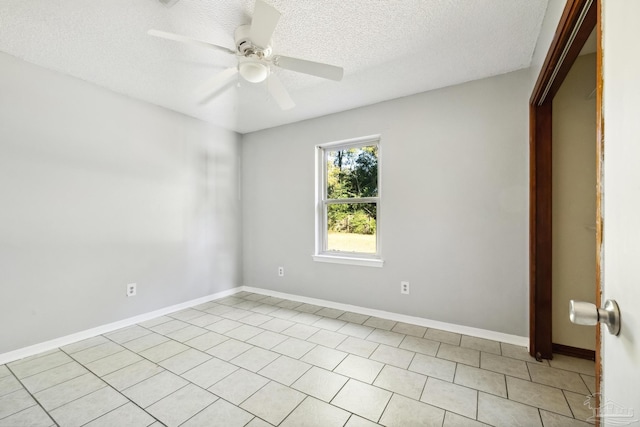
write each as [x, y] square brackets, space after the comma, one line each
[32, 397]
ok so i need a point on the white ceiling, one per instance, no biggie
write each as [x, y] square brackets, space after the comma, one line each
[388, 48]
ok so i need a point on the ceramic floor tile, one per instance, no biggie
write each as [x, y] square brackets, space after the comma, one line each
[330, 324]
[255, 297]
[238, 386]
[205, 306]
[272, 300]
[244, 332]
[15, 402]
[362, 399]
[500, 412]
[355, 330]
[590, 382]
[247, 305]
[88, 408]
[132, 374]
[186, 314]
[85, 344]
[163, 351]
[277, 325]
[538, 395]
[393, 356]
[294, 347]
[209, 372]
[433, 367]
[359, 368]
[204, 321]
[581, 366]
[126, 415]
[273, 403]
[559, 378]
[155, 322]
[454, 420]
[106, 365]
[378, 323]
[9, 384]
[184, 361]
[402, 412]
[153, 389]
[517, 352]
[4, 371]
[267, 340]
[223, 326]
[451, 397]
[255, 359]
[480, 344]
[264, 309]
[168, 327]
[358, 346]
[401, 381]
[576, 403]
[386, 337]
[549, 419]
[300, 331]
[146, 342]
[122, 336]
[220, 413]
[467, 356]
[98, 352]
[320, 383]
[40, 364]
[256, 319]
[481, 379]
[257, 422]
[420, 345]
[504, 365]
[185, 334]
[33, 416]
[356, 421]
[289, 304]
[408, 329]
[181, 405]
[65, 392]
[305, 318]
[327, 338]
[236, 314]
[316, 413]
[308, 308]
[206, 341]
[229, 349]
[443, 336]
[324, 357]
[330, 312]
[285, 370]
[284, 313]
[354, 318]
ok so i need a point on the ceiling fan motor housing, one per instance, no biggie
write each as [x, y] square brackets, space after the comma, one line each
[245, 46]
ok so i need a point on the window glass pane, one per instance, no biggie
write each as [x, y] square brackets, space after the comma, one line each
[351, 227]
[352, 172]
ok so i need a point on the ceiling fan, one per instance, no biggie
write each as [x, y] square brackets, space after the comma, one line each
[255, 58]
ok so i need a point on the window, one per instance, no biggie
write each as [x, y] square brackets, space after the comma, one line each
[348, 202]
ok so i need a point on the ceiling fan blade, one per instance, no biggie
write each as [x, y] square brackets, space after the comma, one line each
[188, 40]
[317, 69]
[216, 83]
[279, 93]
[263, 24]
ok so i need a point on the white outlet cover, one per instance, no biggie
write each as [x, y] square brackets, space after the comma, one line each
[131, 290]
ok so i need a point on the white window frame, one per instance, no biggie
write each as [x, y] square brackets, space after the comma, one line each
[321, 253]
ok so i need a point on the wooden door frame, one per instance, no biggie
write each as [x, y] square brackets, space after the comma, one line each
[578, 20]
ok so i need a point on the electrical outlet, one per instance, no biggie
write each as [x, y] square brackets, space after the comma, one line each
[281, 271]
[404, 288]
[132, 290]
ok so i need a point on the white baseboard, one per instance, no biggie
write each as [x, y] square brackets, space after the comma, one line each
[420, 321]
[89, 333]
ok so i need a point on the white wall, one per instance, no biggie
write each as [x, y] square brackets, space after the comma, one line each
[97, 191]
[454, 210]
[574, 201]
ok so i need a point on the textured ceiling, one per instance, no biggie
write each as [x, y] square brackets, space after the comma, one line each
[388, 49]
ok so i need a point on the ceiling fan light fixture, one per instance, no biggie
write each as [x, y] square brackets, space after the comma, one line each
[253, 72]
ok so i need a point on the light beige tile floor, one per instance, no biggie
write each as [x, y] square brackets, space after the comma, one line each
[257, 361]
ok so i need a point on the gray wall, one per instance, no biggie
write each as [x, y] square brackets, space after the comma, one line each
[454, 209]
[97, 191]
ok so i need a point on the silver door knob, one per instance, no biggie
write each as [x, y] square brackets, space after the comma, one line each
[585, 313]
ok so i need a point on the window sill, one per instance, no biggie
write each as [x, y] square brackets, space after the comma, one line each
[336, 259]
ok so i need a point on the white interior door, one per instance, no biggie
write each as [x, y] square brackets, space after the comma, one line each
[620, 388]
